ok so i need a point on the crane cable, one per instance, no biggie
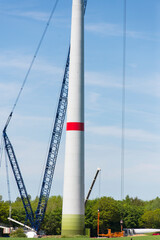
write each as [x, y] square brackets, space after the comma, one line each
[8, 185]
[123, 101]
[1, 150]
[32, 62]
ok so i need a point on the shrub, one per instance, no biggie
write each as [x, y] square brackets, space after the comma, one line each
[18, 233]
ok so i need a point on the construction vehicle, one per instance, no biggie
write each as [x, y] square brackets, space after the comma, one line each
[112, 235]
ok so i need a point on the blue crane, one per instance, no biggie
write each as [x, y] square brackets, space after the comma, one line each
[36, 220]
[19, 179]
[53, 148]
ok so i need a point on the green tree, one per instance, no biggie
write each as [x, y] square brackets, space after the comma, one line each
[4, 212]
[150, 219]
[109, 215]
[153, 204]
[91, 216]
[131, 215]
[131, 211]
[134, 201]
[134, 212]
[18, 212]
[54, 202]
[52, 222]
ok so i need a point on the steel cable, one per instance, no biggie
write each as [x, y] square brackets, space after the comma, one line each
[1, 150]
[123, 101]
[8, 184]
[32, 62]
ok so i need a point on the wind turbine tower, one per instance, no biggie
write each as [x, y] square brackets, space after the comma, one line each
[73, 193]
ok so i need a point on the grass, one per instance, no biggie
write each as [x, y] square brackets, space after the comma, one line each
[79, 238]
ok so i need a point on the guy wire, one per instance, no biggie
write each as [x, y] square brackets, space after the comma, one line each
[123, 101]
[33, 60]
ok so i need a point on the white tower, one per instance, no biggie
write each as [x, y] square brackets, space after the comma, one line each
[73, 193]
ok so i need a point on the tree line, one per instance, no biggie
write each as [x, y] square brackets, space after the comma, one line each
[134, 212]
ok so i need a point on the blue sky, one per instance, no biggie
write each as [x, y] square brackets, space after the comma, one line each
[22, 24]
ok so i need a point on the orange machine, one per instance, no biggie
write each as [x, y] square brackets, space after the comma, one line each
[109, 234]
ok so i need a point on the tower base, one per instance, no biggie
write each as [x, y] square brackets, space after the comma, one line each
[72, 224]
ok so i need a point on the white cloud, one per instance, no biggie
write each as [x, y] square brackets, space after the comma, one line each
[104, 28]
[12, 60]
[40, 16]
[37, 16]
[149, 85]
[8, 91]
[131, 134]
[116, 30]
[93, 98]
[102, 79]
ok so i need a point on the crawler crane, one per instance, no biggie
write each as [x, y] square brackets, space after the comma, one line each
[37, 218]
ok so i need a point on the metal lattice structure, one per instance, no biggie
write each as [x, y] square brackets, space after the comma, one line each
[19, 179]
[53, 149]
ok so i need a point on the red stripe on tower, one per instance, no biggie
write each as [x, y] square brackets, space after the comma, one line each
[75, 126]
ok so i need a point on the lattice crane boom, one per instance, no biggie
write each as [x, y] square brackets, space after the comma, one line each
[53, 149]
[19, 179]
